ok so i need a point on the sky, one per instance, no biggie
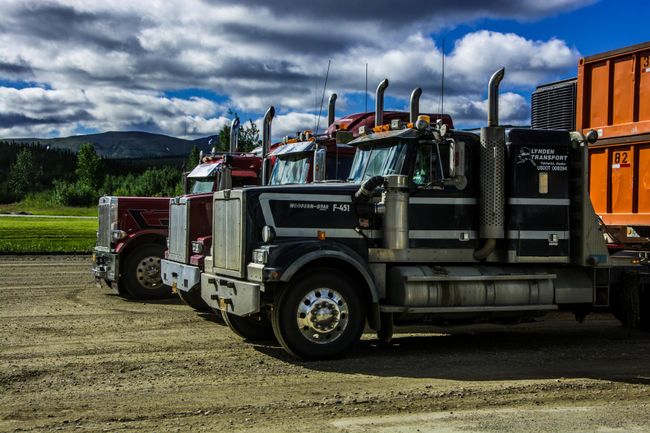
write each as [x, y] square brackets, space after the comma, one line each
[183, 67]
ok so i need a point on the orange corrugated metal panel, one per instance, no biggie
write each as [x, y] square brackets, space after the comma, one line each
[619, 181]
[614, 92]
[644, 87]
[643, 181]
[622, 179]
[598, 179]
[599, 95]
[623, 90]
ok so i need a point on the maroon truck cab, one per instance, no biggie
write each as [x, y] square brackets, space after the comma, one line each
[190, 234]
[130, 241]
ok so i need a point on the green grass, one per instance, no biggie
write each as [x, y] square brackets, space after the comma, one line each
[41, 203]
[47, 235]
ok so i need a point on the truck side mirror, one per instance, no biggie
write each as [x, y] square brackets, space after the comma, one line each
[457, 164]
[320, 164]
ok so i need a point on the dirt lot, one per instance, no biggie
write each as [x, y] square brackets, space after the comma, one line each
[77, 358]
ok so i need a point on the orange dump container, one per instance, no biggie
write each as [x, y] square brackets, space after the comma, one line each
[614, 92]
[613, 98]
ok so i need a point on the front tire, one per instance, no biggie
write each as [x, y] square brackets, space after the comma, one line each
[194, 300]
[142, 278]
[249, 328]
[319, 316]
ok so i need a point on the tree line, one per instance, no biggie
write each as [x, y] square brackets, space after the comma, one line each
[61, 177]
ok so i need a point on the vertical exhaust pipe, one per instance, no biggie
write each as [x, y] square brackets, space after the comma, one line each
[331, 115]
[493, 97]
[492, 155]
[266, 142]
[379, 102]
[234, 135]
[415, 104]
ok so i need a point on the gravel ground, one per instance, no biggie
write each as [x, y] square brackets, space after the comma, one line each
[77, 358]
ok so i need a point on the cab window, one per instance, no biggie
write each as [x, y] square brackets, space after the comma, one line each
[431, 165]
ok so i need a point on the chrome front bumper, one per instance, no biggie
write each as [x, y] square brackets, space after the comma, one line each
[180, 276]
[105, 266]
[228, 294]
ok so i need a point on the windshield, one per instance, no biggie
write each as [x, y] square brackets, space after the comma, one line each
[291, 168]
[200, 185]
[377, 161]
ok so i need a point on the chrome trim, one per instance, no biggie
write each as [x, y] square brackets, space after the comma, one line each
[539, 201]
[178, 234]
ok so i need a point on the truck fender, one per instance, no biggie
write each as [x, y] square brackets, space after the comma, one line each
[140, 238]
[350, 257]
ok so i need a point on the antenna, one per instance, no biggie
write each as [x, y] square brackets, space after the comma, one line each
[442, 80]
[366, 110]
[320, 111]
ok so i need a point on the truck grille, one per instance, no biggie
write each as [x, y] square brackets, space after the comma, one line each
[178, 233]
[227, 234]
[104, 216]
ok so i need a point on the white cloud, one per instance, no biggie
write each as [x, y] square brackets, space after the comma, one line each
[107, 65]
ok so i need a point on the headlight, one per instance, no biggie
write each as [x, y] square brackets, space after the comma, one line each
[117, 235]
[268, 234]
[197, 247]
[260, 256]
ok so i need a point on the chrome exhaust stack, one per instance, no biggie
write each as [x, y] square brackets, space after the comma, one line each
[266, 142]
[234, 135]
[379, 102]
[415, 104]
[492, 174]
[331, 114]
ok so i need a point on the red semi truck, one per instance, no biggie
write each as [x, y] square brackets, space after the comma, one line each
[299, 160]
[133, 230]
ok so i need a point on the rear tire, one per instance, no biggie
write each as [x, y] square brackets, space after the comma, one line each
[194, 300]
[249, 328]
[631, 302]
[320, 315]
[142, 278]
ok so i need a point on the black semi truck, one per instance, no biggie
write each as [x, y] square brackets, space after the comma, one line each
[435, 226]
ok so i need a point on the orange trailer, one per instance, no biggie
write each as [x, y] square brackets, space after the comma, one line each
[613, 98]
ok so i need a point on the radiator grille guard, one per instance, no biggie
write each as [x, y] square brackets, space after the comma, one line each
[178, 230]
[104, 229]
[228, 233]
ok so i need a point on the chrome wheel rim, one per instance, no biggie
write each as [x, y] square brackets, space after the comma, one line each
[322, 315]
[148, 272]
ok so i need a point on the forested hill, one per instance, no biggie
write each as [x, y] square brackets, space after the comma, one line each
[123, 144]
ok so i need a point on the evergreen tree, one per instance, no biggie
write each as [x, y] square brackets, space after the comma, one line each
[249, 137]
[193, 158]
[23, 172]
[89, 166]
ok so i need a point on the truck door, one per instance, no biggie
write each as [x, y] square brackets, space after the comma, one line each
[441, 216]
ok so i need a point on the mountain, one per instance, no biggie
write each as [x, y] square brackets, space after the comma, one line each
[131, 144]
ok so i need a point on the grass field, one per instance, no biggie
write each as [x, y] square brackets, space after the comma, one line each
[41, 203]
[47, 235]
